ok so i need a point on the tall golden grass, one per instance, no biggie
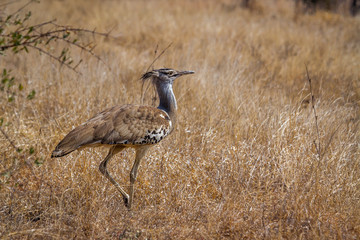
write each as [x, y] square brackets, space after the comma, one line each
[243, 161]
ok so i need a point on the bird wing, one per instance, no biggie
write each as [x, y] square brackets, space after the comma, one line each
[127, 125]
[133, 125]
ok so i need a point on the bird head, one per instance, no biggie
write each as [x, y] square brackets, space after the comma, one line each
[164, 75]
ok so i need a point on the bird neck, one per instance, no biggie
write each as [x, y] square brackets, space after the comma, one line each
[167, 100]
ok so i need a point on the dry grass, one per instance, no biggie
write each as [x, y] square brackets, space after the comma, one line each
[242, 163]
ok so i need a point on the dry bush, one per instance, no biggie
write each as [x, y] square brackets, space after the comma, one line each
[242, 163]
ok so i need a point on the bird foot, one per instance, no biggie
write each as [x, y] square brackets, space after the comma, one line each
[126, 202]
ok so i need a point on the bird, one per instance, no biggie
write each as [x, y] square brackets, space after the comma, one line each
[128, 126]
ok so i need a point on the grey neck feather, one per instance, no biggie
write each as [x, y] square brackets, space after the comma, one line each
[167, 100]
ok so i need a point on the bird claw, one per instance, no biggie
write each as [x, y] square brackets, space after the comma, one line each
[126, 202]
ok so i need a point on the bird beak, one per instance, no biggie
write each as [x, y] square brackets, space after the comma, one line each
[185, 72]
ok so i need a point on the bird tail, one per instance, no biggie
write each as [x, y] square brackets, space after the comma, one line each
[75, 139]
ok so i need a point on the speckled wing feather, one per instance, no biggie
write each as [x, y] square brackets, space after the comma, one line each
[123, 125]
[135, 125]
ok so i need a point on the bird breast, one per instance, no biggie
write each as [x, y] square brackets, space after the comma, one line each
[153, 136]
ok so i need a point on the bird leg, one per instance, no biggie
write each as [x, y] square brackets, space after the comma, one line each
[103, 170]
[140, 152]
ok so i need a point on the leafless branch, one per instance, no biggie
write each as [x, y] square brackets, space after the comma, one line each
[55, 58]
[83, 48]
[21, 8]
[318, 145]
[8, 139]
[71, 29]
[8, 3]
[156, 58]
[152, 63]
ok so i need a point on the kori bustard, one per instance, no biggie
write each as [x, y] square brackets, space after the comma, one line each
[135, 126]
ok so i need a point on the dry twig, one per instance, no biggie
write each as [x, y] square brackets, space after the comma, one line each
[317, 145]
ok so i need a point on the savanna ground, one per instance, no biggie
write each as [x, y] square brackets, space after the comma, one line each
[243, 162]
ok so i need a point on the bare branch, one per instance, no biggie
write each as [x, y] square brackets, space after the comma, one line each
[21, 8]
[317, 146]
[156, 58]
[90, 51]
[71, 29]
[8, 3]
[55, 58]
[8, 139]
[152, 63]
